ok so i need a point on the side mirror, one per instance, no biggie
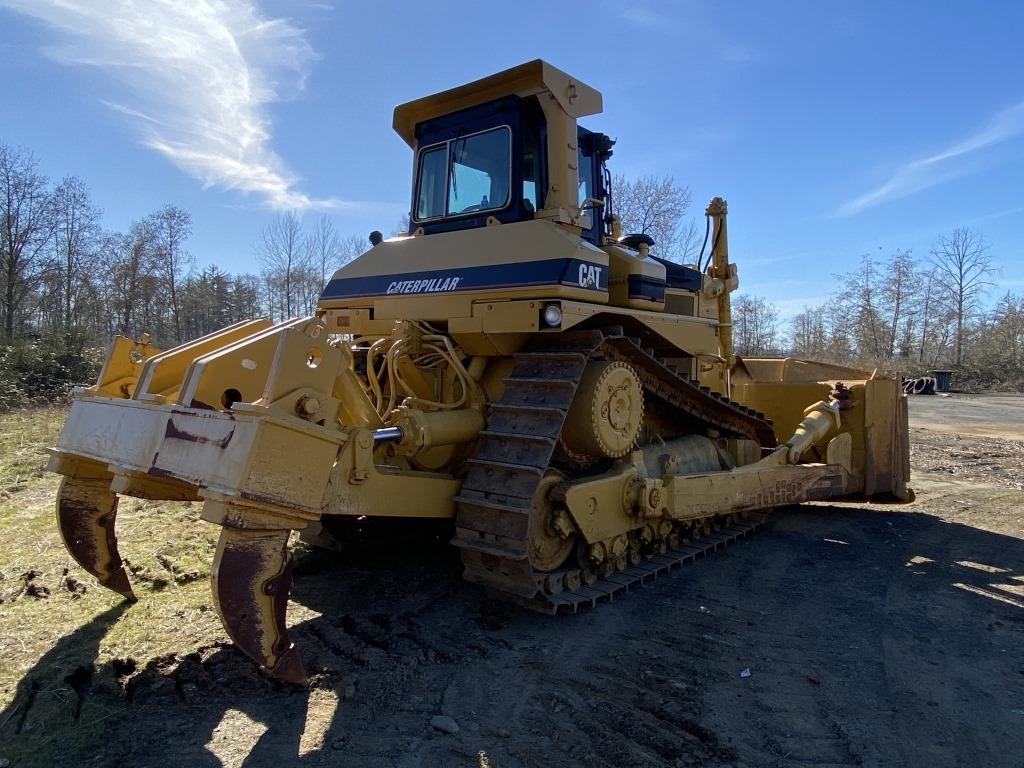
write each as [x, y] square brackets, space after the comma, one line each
[584, 219]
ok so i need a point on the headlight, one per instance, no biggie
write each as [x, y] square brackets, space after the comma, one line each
[552, 315]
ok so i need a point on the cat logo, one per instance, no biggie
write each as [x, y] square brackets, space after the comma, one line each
[590, 276]
[433, 285]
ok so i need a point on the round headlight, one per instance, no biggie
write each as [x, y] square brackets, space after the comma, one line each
[552, 315]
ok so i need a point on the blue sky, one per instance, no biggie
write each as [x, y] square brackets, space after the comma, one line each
[833, 129]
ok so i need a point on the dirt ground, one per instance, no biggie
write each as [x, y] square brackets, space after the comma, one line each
[873, 635]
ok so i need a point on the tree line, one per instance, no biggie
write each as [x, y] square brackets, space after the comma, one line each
[905, 314]
[68, 284]
[899, 313]
[63, 273]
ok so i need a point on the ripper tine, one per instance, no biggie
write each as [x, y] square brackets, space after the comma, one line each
[252, 577]
[86, 512]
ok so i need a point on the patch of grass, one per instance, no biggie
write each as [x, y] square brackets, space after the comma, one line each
[24, 436]
[48, 637]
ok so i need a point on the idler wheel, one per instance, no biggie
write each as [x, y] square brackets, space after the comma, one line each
[605, 417]
[551, 533]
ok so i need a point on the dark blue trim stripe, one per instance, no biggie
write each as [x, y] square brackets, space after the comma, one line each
[574, 272]
[678, 276]
[644, 287]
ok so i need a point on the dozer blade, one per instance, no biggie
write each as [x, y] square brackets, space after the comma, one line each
[86, 511]
[252, 576]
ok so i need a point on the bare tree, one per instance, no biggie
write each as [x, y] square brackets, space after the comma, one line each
[26, 229]
[1006, 342]
[655, 207]
[810, 334]
[131, 261]
[755, 325]
[962, 268]
[900, 294]
[325, 250]
[282, 252]
[874, 314]
[935, 320]
[352, 247]
[861, 299]
[691, 236]
[329, 251]
[78, 237]
[173, 226]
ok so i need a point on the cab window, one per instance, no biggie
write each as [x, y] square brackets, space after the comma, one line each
[531, 171]
[465, 175]
[430, 200]
[586, 176]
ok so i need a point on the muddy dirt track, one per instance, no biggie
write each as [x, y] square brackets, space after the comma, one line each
[873, 635]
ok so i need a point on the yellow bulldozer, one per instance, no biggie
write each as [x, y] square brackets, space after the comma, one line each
[514, 364]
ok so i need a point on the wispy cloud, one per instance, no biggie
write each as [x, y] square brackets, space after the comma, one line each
[994, 215]
[644, 17]
[199, 75]
[952, 162]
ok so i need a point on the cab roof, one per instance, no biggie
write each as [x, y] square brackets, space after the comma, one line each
[576, 98]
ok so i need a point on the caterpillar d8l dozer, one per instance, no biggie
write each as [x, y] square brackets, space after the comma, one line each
[514, 365]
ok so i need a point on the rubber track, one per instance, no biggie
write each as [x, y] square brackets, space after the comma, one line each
[515, 451]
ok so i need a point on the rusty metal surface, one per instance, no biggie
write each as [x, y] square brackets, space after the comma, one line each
[86, 513]
[163, 441]
[176, 432]
[252, 577]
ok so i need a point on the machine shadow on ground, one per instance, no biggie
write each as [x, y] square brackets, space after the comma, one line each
[400, 638]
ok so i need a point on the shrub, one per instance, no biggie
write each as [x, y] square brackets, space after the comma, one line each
[43, 370]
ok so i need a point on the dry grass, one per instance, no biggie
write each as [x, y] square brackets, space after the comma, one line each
[23, 438]
[169, 550]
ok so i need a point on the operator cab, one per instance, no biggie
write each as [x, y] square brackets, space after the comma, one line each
[511, 200]
[490, 161]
